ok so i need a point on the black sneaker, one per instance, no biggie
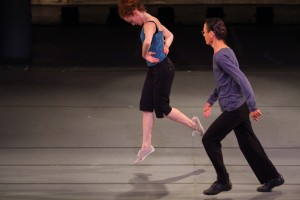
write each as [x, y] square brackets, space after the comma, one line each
[268, 186]
[216, 188]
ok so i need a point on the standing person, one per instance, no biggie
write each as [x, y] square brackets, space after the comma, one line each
[237, 101]
[156, 91]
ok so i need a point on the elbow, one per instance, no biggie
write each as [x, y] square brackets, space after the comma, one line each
[169, 38]
[146, 43]
[172, 37]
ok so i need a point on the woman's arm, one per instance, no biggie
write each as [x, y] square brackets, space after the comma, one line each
[149, 30]
[168, 39]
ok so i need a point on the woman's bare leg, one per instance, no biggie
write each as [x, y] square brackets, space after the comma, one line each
[148, 124]
[193, 123]
[179, 117]
[147, 148]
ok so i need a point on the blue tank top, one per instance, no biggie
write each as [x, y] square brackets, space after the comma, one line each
[157, 45]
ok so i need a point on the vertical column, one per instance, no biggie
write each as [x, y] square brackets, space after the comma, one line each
[213, 12]
[264, 16]
[15, 32]
[114, 18]
[166, 15]
[70, 15]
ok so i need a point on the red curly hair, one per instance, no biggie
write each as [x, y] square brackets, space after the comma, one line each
[126, 7]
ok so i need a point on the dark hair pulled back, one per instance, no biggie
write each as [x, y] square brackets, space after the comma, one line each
[217, 26]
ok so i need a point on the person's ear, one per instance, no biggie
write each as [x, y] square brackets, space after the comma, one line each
[135, 13]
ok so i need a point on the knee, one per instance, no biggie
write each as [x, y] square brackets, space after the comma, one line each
[205, 141]
[162, 112]
[159, 115]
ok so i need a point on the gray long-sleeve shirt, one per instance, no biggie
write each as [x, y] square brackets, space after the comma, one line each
[232, 86]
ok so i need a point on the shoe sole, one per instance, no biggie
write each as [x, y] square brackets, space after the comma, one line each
[270, 190]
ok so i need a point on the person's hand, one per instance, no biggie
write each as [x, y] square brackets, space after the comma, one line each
[206, 110]
[255, 114]
[149, 57]
[166, 49]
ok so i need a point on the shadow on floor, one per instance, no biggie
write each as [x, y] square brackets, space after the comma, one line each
[148, 189]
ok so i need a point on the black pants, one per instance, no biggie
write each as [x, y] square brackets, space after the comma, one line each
[238, 121]
[157, 89]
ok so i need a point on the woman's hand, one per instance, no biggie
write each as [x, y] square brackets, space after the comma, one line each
[206, 110]
[149, 57]
[166, 49]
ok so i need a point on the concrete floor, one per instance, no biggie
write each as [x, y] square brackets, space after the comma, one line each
[71, 134]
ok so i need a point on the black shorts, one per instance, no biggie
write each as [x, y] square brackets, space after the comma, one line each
[157, 88]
